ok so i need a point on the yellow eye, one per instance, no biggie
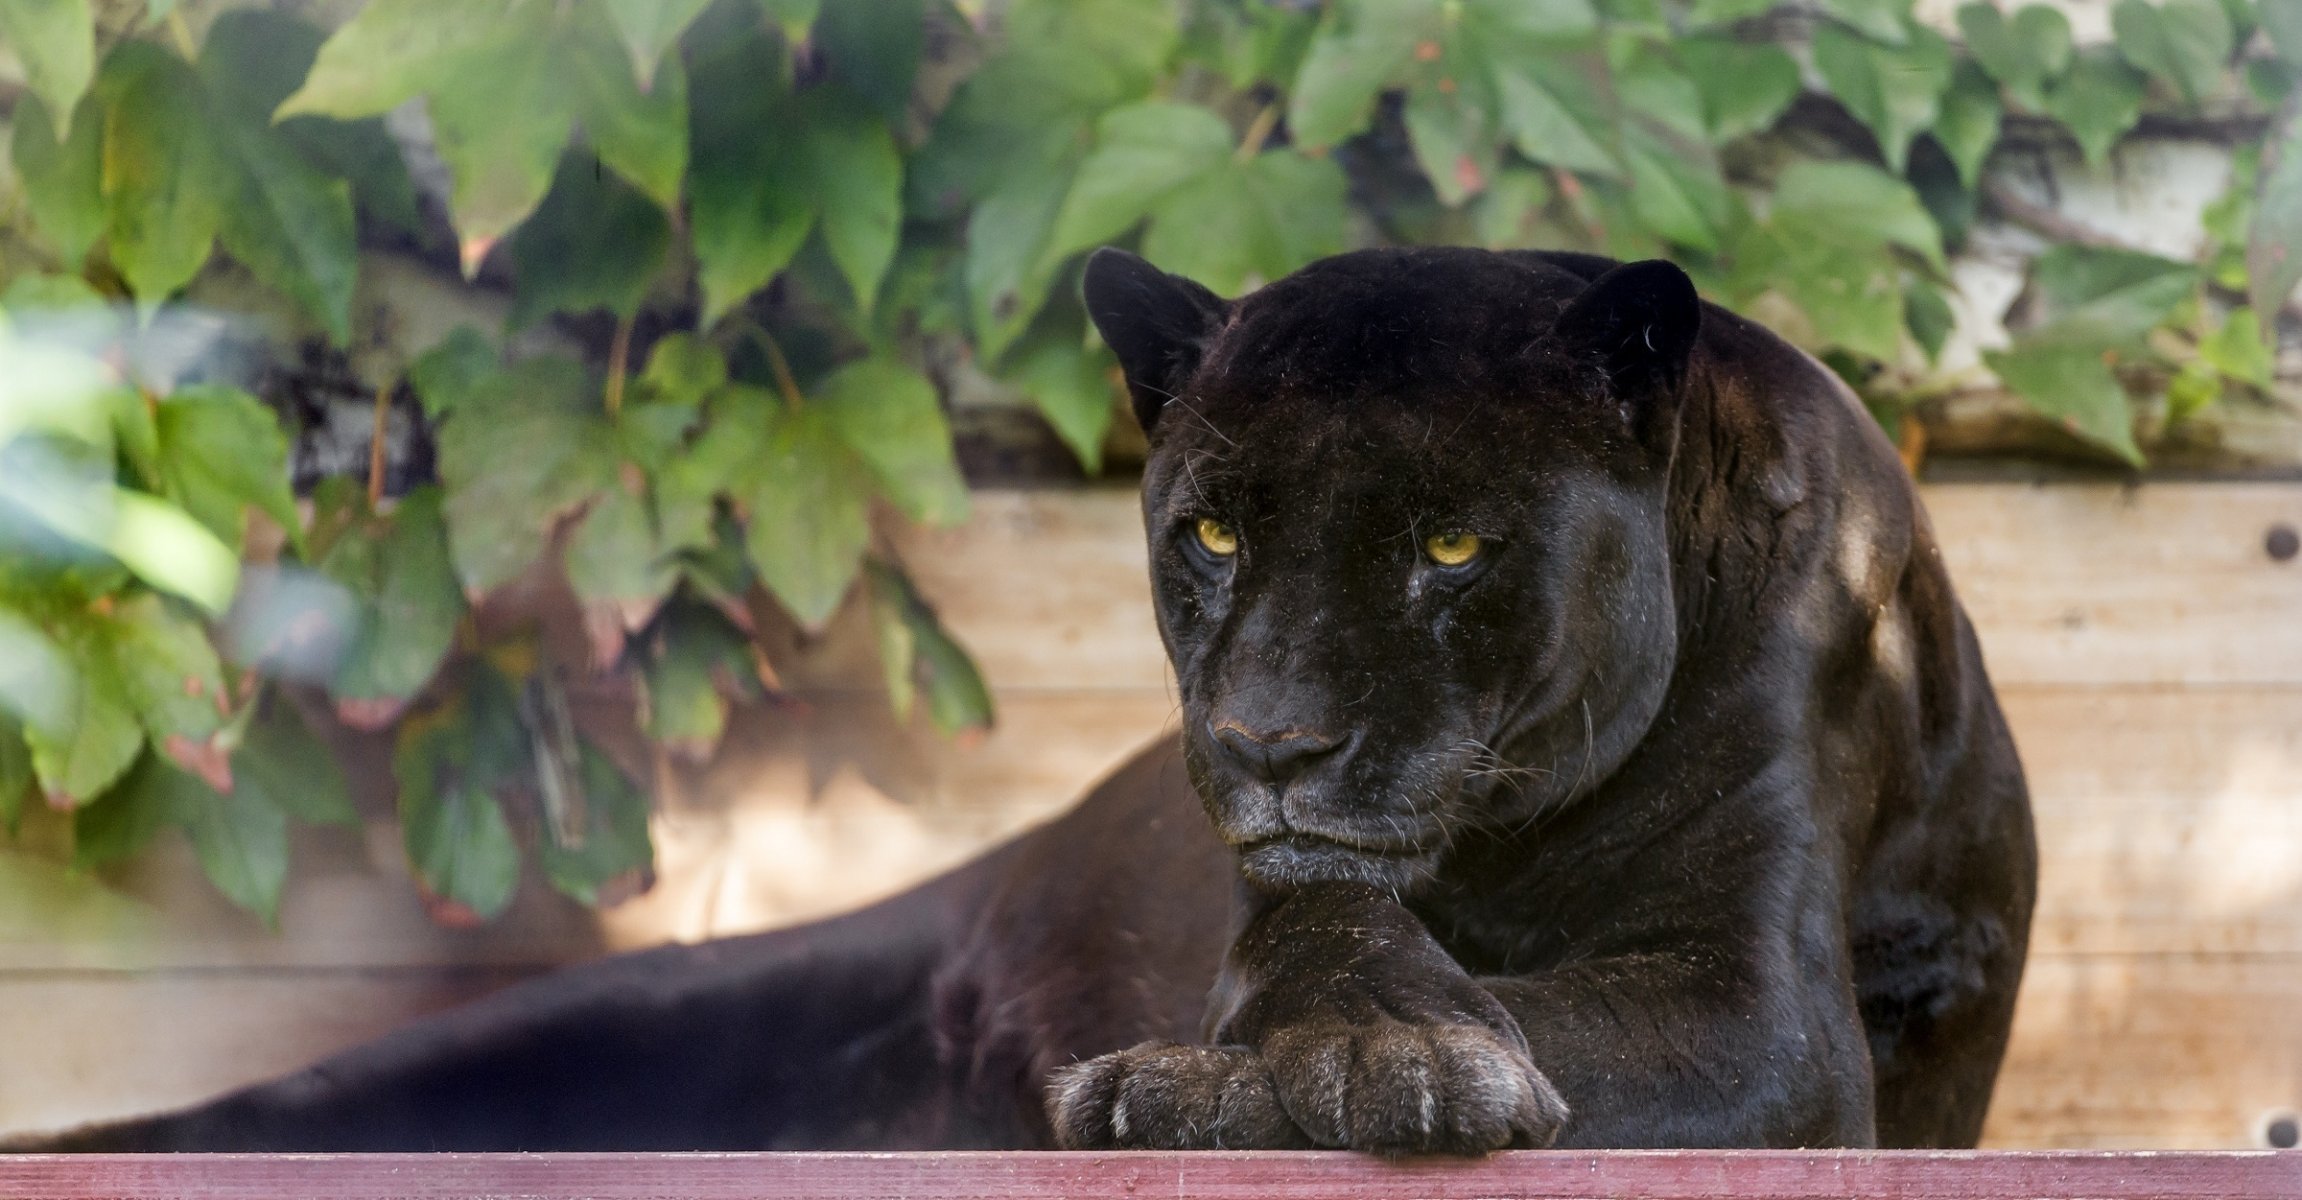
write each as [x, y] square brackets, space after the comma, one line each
[1452, 549]
[1221, 540]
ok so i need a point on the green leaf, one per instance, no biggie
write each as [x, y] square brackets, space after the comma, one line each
[164, 665]
[1893, 90]
[615, 858]
[2236, 348]
[2194, 387]
[2112, 298]
[1007, 272]
[2071, 384]
[78, 757]
[398, 570]
[392, 51]
[15, 772]
[1884, 20]
[1968, 124]
[2100, 100]
[56, 42]
[63, 183]
[1851, 295]
[749, 210]
[448, 769]
[124, 820]
[165, 184]
[1856, 205]
[806, 515]
[2186, 42]
[641, 135]
[874, 48]
[1451, 142]
[1744, 87]
[1251, 223]
[614, 559]
[500, 123]
[595, 242]
[1676, 188]
[525, 447]
[1144, 153]
[221, 452]
[918, 656]
[1560, 109]
[888, 414]
[166, 548]
[240, 837]
[1360, 48]
[2274, 241]
[39, 686]
[283, 764]
[1069, 386]
[1928, 316]
[1727, 12]
[857, 177]
[649, 27]
[2024, 54]
[290, 224]
[696, 662]
[2283, 22]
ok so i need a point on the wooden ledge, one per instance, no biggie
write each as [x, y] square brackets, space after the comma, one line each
[1556, 1175]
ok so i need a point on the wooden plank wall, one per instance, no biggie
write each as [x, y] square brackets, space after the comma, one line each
[2146, 642]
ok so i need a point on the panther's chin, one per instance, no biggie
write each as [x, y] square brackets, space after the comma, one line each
[1295, 860]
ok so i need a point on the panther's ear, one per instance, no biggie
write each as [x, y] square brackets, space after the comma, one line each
[1641, 321]
[1158, 324]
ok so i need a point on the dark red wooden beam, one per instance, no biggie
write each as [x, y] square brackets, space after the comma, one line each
[1622, 1175]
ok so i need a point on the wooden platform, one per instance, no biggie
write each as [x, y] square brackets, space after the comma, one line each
[2146, 643]
[1620, 1175]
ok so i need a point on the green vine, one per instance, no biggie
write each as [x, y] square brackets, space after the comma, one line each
[762, 222]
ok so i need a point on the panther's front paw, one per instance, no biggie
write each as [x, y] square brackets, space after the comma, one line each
[1161, 1096]
[1396, 1087]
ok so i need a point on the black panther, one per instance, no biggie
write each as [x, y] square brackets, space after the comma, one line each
[1582, 746]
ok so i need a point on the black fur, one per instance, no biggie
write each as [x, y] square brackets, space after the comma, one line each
[1681, 815]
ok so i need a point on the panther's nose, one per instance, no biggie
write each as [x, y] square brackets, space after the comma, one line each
[1275, 756]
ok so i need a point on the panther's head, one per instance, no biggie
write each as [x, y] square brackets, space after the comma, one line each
[1408, 541]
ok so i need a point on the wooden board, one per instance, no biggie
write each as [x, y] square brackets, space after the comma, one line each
[1653, 1174]
[2148, 653]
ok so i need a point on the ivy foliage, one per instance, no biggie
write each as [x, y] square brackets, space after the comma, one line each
[786, 212]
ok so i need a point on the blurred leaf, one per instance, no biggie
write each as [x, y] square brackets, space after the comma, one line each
[2274, 242]
[2194, 387]
[63, 183]
[1896, 91]
[56, 42]
[1068, 385]
[888, 414]
[1884, 20]
[1143, 154]
[163, 663]
[920, 657]
[2073, 385]
[221, 452]
[1559, 110]
[615, 859]
[2025, 53]
[1928, 317]
[595, 242]
[649, 27]
[392, 51]
[641, 135]
[526, 446]
[1451, 143]
[1744, 87]
[241, 839]
[39, 686]
[874, 47]
[397, 568]
[281, 763]
[2100, 100]
[615, 560]
[1361, 46]
[1727, 12]
[2283, 22]
[696, 663]
[2236, 348]
[2114, 297]
[166, 548]
[749, 209]
[124, 819]
[857, 174]
[1968, 124]
[2186, 42]
[449, 765]
[446, 376]
[1251, 223]
[805, 520]
[1676, 187]
[84, 756]
[15, 772]
[165, 182]
[1856, 205]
